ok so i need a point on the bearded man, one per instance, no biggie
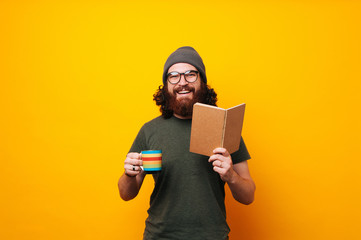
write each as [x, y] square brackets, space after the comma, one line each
[188, 197]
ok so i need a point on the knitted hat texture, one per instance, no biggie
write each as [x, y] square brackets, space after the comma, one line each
[185, 55]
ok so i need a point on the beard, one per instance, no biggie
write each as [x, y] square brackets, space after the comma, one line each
[184, 106]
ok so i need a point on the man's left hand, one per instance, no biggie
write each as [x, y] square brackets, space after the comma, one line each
[222, 164]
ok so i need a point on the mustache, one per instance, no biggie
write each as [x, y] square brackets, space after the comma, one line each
[183, 88]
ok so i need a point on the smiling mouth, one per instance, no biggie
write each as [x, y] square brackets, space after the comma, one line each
[183, 92]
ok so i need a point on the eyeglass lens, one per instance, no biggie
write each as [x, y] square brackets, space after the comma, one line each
[190, 76]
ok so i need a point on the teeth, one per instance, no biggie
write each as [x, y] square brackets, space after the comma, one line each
[182, 92]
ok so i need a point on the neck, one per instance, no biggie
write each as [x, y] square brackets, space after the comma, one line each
[181, 117]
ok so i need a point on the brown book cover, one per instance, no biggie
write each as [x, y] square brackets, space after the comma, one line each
[214, 127]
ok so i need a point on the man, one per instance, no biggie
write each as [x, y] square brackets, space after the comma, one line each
[188, 198]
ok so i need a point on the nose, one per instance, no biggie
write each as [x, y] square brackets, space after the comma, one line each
[182, 80]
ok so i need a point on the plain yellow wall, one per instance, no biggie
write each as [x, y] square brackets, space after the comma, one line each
[76, 84]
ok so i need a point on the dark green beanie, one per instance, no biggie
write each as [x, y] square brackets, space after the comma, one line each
[185, 55]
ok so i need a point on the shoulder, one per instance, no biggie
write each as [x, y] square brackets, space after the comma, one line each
[155, 123]
[148, 129]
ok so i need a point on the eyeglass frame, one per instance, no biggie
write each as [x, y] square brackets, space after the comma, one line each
[184, 74]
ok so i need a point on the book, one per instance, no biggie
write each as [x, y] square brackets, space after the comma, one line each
[214, 127]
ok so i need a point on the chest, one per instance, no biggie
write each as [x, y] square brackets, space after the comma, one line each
[174, 143]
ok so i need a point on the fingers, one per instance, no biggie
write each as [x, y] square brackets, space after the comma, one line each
[132, 164]
[133, 159]
[221, 171]
[218, 163]
[222, 163]
[216, 157]
[220, 154]
[132, 171]
[221, 151]
[132, 168]
[134, 155]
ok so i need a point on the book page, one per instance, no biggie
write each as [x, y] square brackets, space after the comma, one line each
[233, 128]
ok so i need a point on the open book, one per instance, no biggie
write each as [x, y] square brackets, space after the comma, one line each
[214, 127]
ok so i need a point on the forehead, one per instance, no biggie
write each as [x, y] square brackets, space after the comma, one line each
[181, 67]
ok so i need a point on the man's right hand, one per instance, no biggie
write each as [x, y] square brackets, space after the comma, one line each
[132, 164]
[130, 182]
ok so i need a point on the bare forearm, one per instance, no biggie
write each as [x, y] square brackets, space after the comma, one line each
[236, 175]
[242, 189]
[129, 186]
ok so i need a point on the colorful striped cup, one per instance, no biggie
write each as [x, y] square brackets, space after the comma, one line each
[152, 160]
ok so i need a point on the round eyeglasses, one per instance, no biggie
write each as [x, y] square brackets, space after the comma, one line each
[190, 76]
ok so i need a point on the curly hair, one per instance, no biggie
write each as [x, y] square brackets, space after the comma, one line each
[161, 98]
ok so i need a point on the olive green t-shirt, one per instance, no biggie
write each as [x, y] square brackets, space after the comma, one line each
[188, 197]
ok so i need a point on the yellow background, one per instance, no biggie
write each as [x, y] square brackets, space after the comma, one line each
[77, 79]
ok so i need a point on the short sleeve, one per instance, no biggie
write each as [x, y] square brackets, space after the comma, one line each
[139, 143]
[242, 153]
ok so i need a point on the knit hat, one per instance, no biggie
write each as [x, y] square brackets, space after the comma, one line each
[185, 55]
